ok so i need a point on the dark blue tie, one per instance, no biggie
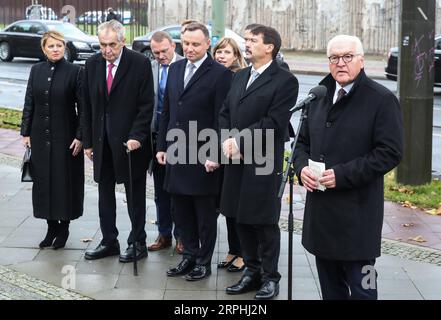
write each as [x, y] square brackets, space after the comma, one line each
[161, 91]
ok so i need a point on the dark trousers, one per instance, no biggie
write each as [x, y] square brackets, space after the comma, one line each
[260, 250]
[233, 237]
[196, 218]
[163, 203]
[107, 203]
[343, 280]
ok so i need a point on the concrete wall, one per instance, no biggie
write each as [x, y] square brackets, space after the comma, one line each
[303, 24]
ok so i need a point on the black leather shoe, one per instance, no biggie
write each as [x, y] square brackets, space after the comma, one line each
[141, 252]
[102, 251]
[233, 268]
[184, 267]
[225, 264]
[246, 283]
[269, 290]
[199, 272]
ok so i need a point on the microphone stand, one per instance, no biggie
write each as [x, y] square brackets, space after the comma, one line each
[289, 175]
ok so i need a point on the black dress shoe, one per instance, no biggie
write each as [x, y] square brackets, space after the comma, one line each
[246, 283]
[225, 264]
[269, 290]
[233, 268]
[102, 251]
[184, 267]
[199, 272]
[141, 252]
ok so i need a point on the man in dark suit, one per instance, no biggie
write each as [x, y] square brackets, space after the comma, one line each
[196, 89]
[163, 49]
[356, 132]
[118, 94]
[279, 58]
[258, 103]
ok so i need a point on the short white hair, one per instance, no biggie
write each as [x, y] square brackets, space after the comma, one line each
[349, 39]
[115, 26]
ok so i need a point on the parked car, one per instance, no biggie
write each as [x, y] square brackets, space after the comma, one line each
[391, 70]
[142, 44]
[22, 39]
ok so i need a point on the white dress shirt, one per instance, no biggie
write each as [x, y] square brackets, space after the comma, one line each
[346, 88]
[197, 64]
[160, 67]
[116, 64]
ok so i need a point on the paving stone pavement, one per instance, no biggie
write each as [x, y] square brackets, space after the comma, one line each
[30, 273]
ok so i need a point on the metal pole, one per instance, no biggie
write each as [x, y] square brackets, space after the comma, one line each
[218, 26]
[289, 175]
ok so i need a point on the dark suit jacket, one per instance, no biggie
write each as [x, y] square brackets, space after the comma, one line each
[123, 115]
[154, 126]
[251, 198]
[361, 138]
[200, 101]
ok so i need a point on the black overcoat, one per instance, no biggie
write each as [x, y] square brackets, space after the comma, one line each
[125, 113]
[200, 102]
[361, 138]
[249, 197]
[51, 117]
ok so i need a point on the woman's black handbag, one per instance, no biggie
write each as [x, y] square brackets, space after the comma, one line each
[26, 167]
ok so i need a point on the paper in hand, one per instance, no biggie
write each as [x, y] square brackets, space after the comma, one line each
[317, 168]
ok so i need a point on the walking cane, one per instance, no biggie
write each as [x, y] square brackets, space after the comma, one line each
[130, 205]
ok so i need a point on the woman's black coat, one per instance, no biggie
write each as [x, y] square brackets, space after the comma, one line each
[51, 117]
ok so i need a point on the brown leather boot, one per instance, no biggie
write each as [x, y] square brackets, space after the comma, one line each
[179, 247]
[160, 243]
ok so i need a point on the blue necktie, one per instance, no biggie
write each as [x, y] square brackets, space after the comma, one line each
[161, 91]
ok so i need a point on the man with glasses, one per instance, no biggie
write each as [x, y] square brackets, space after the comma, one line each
[356, 133]
[118, 94]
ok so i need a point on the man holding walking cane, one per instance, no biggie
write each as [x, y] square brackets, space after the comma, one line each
[119, 98]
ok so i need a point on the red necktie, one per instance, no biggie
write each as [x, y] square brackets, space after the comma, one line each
[110, 78]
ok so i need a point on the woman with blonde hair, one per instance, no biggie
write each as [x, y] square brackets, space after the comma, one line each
[51, 125]
[227, 53]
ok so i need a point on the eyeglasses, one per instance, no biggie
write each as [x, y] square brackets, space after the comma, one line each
[346, 58]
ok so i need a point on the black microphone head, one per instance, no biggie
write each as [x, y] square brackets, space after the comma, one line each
[319, 91]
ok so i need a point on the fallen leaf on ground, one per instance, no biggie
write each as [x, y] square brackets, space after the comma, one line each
[418, 239]
[85, 240]
[432, 212]
[408, 225]
[408, 204]
[405, 190]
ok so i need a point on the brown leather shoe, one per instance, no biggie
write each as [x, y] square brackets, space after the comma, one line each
[160, 243]
[179, 247]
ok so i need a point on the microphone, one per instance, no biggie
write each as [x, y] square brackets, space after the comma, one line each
[315, 93]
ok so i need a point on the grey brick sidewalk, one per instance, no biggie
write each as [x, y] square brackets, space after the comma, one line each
[32, 273]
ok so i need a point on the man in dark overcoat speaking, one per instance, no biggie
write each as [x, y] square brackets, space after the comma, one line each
[352, 137]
